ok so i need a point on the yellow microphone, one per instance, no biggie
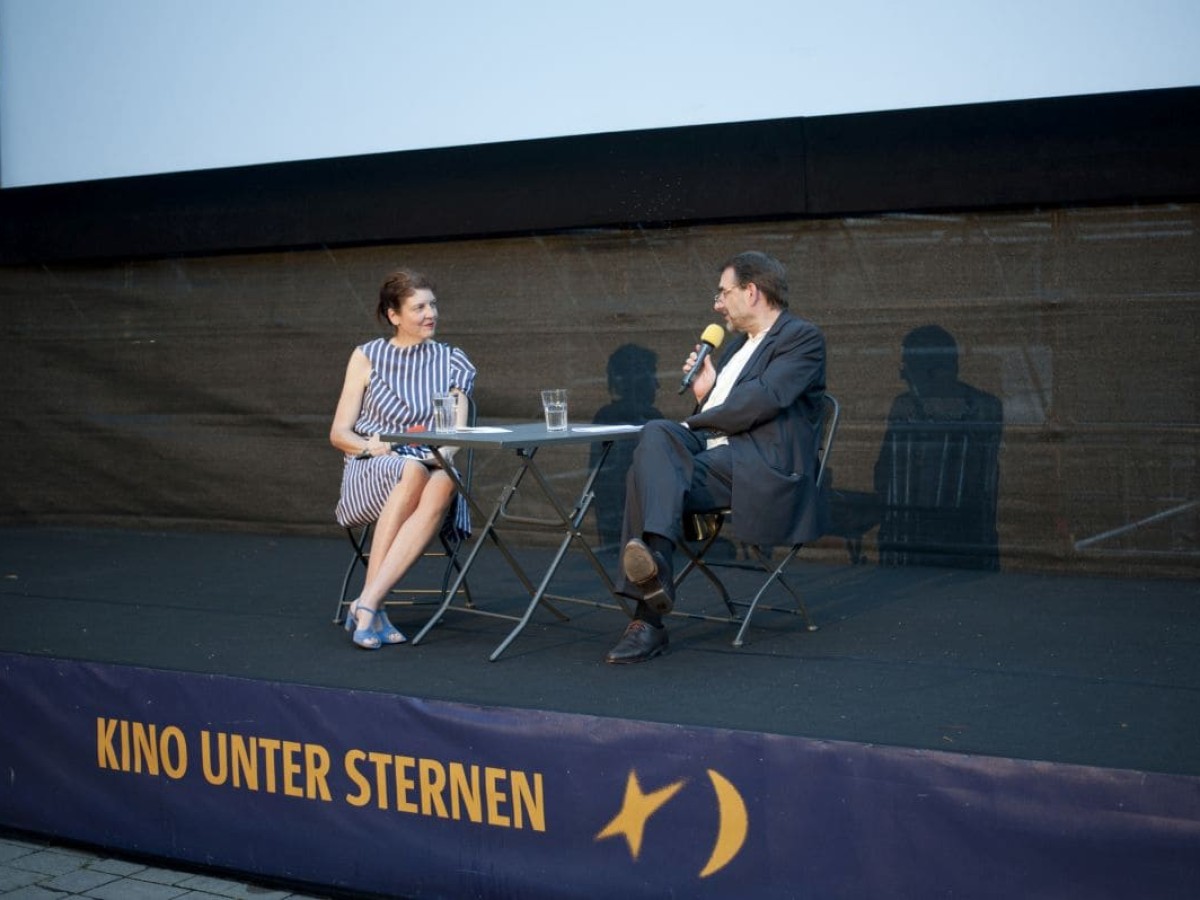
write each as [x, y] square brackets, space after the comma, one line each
[710, 340]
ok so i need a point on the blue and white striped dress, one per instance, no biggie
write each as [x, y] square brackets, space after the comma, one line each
[399, 397]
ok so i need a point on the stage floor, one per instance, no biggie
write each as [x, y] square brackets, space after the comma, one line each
[1089, 671]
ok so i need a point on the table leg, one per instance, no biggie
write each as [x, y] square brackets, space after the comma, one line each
[569, 521]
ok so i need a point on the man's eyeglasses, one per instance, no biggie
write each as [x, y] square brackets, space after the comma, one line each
[719, 296]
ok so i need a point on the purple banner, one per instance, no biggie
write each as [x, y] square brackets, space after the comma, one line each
[376, 792]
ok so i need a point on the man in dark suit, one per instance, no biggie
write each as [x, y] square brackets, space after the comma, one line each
[751, 445]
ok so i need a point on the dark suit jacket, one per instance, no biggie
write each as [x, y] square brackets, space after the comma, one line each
[772, 417]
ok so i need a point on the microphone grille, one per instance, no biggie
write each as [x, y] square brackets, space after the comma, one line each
[714, 335]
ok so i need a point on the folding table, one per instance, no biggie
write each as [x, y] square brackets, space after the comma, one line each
[525, 440]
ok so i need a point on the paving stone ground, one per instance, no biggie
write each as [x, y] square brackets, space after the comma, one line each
[31, 869]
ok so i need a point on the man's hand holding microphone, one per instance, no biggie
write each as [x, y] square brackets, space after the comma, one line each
[698, 371]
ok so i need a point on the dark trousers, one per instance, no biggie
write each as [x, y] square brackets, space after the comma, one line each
[672, 473]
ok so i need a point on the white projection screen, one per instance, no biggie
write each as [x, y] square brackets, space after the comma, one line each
[93, 90]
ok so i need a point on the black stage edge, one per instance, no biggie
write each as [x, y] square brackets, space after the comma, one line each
[1087, 671]
[1127, 147]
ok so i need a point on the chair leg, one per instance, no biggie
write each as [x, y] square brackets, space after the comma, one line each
[358, 541]
[775, 574]
[338, 613]
[696, 563]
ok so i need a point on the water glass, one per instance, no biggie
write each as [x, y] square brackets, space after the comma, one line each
[554, 403]
[445, 413]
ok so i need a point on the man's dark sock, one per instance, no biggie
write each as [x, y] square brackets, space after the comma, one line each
[664, 547]
[646, 614]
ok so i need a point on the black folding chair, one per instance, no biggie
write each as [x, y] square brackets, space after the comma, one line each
[442, 551]
[703, 530]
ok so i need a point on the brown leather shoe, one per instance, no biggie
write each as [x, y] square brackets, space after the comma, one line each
[640, 642]
[648, 570]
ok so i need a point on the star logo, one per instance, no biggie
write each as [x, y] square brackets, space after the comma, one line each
[638, 806]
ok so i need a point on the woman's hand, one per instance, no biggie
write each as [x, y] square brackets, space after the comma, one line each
[374, 447]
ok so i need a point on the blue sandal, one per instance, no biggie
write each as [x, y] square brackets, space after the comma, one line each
[388, 633]
[367, 638]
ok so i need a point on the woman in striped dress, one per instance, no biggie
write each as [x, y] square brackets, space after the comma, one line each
[390, 384]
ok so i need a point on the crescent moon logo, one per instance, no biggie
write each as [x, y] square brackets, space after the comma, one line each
[733, 823]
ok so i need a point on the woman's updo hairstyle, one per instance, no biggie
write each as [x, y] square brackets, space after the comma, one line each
[397, 288]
